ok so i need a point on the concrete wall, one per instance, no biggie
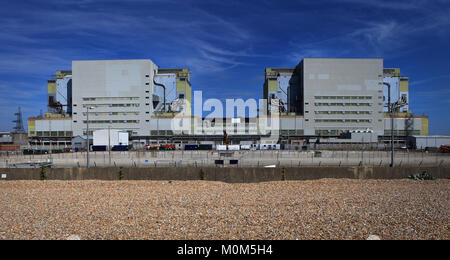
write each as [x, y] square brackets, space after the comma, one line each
[229, 175]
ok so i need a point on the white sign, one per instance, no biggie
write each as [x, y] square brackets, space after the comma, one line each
[3, 176]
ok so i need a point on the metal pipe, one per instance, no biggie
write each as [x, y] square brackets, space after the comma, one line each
[109, 144]
[87, 136]
[392, 137]
[391, 110]
[160, 85]
[389, 95]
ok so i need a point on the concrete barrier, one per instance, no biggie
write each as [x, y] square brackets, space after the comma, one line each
[229, 175]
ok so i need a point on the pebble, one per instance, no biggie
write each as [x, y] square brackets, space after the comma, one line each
[73, 237]
[319, 209]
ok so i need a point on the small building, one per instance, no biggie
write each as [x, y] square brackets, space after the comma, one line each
[431, 141]
[110, 137]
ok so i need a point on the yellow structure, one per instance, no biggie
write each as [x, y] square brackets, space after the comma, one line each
[183, 89]
[425, 126]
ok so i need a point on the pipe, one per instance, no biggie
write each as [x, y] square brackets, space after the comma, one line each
[389, 95]
[164, 88]
[391, 110]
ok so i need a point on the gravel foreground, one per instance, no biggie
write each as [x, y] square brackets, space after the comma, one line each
[320, 209]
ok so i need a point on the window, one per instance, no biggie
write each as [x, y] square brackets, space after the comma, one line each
[147, 76]
[147, 84]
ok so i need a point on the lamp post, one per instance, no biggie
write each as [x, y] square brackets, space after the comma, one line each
[87, 135]
[109, 144]
[395, 107]
[390, 110]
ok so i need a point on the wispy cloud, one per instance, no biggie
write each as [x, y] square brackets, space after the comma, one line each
[427, 80]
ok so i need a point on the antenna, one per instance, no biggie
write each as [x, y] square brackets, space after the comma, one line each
[19, 122]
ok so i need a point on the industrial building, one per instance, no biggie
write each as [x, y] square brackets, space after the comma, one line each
[327, 100]
[427, 142]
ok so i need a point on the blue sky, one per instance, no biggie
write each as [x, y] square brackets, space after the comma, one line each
[226, 44]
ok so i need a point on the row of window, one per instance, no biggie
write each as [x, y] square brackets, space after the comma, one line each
[343, 120]
[109, 98]
[112, 121]
[343, 104]
[343, 97]
[111, 113]
[51, 133]
[343, 112]
[402, 132]
[111, 105]
[329, 132]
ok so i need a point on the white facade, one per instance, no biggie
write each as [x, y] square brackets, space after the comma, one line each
[54, 127]
[112, 137]
[436, 141]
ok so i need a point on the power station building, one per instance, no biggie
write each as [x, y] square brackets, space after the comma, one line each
[319, 98]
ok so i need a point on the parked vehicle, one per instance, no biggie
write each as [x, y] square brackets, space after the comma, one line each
[120, 148]
[99, 148]
[167, 147]
[151, 147]
[35, 151]
[205, 147]
[444, 149]
[191, 147]
[221, 147]
[234, 148]
[245, 147]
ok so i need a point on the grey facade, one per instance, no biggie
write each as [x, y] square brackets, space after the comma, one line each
[119, 93]
[339, 95]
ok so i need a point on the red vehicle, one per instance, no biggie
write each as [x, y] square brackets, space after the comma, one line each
[444, 149]
[152, 147]
[167, 147]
